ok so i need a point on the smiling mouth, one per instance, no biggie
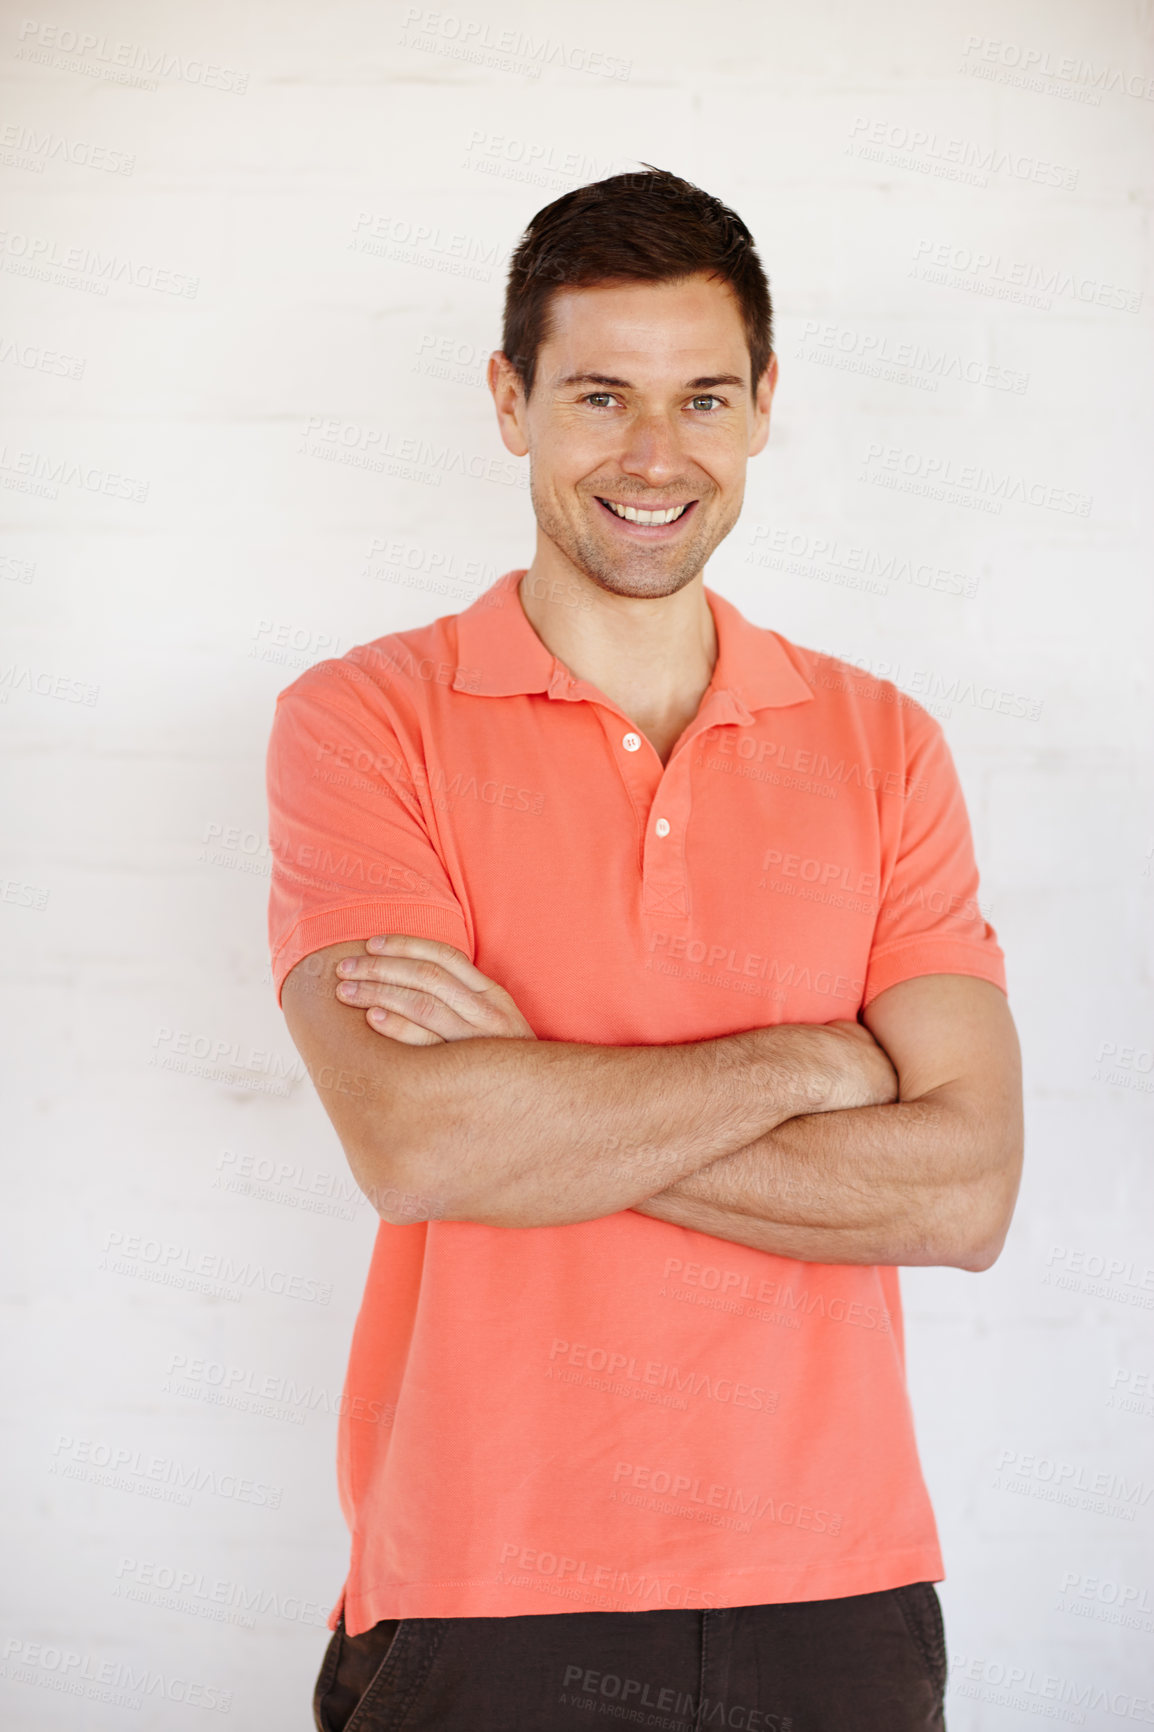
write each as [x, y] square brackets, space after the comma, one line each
[649, 519]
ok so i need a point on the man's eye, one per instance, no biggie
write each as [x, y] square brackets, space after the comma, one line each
[594, 395]
[707, 398]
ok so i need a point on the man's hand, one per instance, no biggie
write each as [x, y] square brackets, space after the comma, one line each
[420, 991]
[931, 1179]
[873, 1081]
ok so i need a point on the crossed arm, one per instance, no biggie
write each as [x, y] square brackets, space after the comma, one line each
[929, 1177]
[895, 1143]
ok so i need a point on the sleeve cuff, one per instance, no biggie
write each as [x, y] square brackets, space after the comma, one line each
[363, 920]
[933, 956]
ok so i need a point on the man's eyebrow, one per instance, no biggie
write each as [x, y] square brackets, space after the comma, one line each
[703, 384]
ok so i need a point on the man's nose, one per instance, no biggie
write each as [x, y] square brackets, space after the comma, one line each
[652, 449]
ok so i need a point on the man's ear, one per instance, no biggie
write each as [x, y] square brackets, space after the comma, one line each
[509, 399]
[763, 398]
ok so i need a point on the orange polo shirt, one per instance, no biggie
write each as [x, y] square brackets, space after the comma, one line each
[621, 1414]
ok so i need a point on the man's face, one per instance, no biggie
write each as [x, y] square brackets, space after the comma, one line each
[641, 403]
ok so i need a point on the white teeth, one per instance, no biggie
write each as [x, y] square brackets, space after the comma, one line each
[646, 517]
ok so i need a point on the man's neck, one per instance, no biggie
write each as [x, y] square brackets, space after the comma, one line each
[653, 657]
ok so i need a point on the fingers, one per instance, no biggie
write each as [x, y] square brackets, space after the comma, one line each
[432, 985]
[440, 974]
[413, 1004]
[396, 1027]
[452, 960]
[429, 982]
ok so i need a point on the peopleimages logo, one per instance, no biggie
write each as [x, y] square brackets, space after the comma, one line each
[510, 50]
[628, 1370]
[1046, 1693]
[180, 1265]
[1071, 1483]
[118, 1683]
[1103, 1593]
[1030, 67]
[1023, 281]
[101, 56]
[218, 1598]
[24, 147]
[559, 1573]
[950, 158]
[664, 1482]
[896, 465]
[665, 1706]
[738, 1284]
[1102, 1276]
[163, 1477]
[37, 255]
[819, 767]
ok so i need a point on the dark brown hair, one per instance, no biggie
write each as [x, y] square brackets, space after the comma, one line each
[650, 227]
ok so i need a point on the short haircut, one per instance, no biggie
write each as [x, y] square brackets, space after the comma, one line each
[650, 227]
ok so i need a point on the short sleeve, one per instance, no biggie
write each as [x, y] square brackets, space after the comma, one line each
[351, 853]
[929, 919]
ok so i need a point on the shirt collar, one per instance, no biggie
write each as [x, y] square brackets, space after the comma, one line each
[500, 655]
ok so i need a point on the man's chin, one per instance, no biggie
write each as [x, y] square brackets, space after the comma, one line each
[621, 568]
[641, 571]
[644, 579]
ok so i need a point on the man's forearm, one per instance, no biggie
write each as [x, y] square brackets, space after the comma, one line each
[802, 1244]
[913, 1182]
[522, 1133]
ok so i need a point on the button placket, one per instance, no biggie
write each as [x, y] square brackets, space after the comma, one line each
[661, 794]
[665, 868]
[637, 762]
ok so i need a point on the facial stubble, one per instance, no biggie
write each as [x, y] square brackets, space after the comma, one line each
[639, 571]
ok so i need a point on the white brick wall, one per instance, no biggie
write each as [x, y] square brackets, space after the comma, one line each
[130, 929]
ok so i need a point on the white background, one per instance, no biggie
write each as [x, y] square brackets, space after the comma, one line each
[907, 184]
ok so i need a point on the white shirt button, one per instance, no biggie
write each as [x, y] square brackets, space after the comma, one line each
[662, 826]
[632, 742]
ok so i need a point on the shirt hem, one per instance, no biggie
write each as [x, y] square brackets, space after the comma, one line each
[758, 1585]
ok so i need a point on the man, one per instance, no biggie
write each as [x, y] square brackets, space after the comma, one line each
[636, 956]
